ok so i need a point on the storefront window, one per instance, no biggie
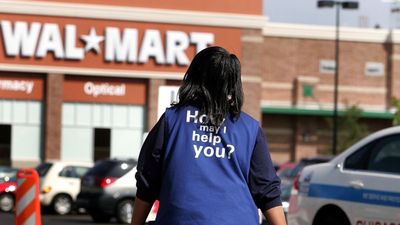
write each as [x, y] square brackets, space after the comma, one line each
[109, 131]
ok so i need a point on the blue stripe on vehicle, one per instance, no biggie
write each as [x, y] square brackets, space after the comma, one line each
[365, 196]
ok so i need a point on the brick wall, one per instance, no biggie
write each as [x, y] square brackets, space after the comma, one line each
[252, 99]
[394, 85]
[279, 131]
[287, 60]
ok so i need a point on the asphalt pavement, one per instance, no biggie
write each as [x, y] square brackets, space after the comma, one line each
[51, 219]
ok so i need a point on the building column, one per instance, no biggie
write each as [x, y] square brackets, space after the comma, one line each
[152, 102]
[251, 62]
[53, 119]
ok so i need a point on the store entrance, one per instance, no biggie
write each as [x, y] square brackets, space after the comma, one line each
[102, 143]
[5, 145]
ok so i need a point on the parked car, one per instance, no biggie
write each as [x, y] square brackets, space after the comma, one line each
[289, 181]
[60, 184]
[359, 186]
[285, 169]
[8, 186]
[109, 190]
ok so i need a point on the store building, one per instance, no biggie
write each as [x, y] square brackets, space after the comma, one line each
[85, 80]
[103, 73]
[21, 115]
[298, 83]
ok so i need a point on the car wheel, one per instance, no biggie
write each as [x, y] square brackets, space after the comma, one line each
[99, 218]
[331, 215]
[332, 220]
[124, 211]
[6, 202]
[62, 204]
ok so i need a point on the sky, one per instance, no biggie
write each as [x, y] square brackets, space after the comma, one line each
[369, 14]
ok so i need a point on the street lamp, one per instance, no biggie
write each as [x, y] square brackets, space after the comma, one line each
[338, 5]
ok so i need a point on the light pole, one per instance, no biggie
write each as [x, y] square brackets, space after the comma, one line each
[338, 5]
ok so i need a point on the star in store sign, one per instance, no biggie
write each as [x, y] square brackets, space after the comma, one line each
[92, 41]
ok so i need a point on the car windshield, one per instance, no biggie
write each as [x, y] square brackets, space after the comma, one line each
[5, 169]
[43, 168]
[8, 179]
[7, 172]
[285, 172]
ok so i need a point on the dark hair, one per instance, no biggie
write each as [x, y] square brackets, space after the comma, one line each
[212, 83]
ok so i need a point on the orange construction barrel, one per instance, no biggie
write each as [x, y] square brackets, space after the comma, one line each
[27, 207]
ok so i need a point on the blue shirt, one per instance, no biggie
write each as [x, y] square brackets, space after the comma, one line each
[204, 174]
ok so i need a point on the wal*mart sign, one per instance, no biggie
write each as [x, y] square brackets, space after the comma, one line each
[122, 45]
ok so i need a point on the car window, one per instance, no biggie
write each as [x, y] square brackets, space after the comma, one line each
[80, 171]
[382, 155]
[43, 168]
[359, 159]
[385, 157]
[67, 171]
[111, 168]
[73, 171]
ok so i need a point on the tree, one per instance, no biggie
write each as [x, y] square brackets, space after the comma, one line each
[396, 105]
[350, 129]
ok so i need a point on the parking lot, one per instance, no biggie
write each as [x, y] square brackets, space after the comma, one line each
[341, 190]
[50, 219]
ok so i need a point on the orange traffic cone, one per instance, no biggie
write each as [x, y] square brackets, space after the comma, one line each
[27, 198]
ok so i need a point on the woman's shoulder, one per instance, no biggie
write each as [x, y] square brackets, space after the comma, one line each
[247, 118]
[179, 111]
[176, 109]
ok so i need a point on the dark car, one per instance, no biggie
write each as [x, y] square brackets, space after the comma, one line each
[308, 161]
[290, 180]
[108, 190]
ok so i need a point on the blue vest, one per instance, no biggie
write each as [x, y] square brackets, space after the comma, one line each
[205, 170]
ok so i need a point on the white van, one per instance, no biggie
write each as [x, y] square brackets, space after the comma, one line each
[60, 184]
[361, 186]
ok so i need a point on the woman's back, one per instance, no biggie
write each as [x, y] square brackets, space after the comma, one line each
[206, 169]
